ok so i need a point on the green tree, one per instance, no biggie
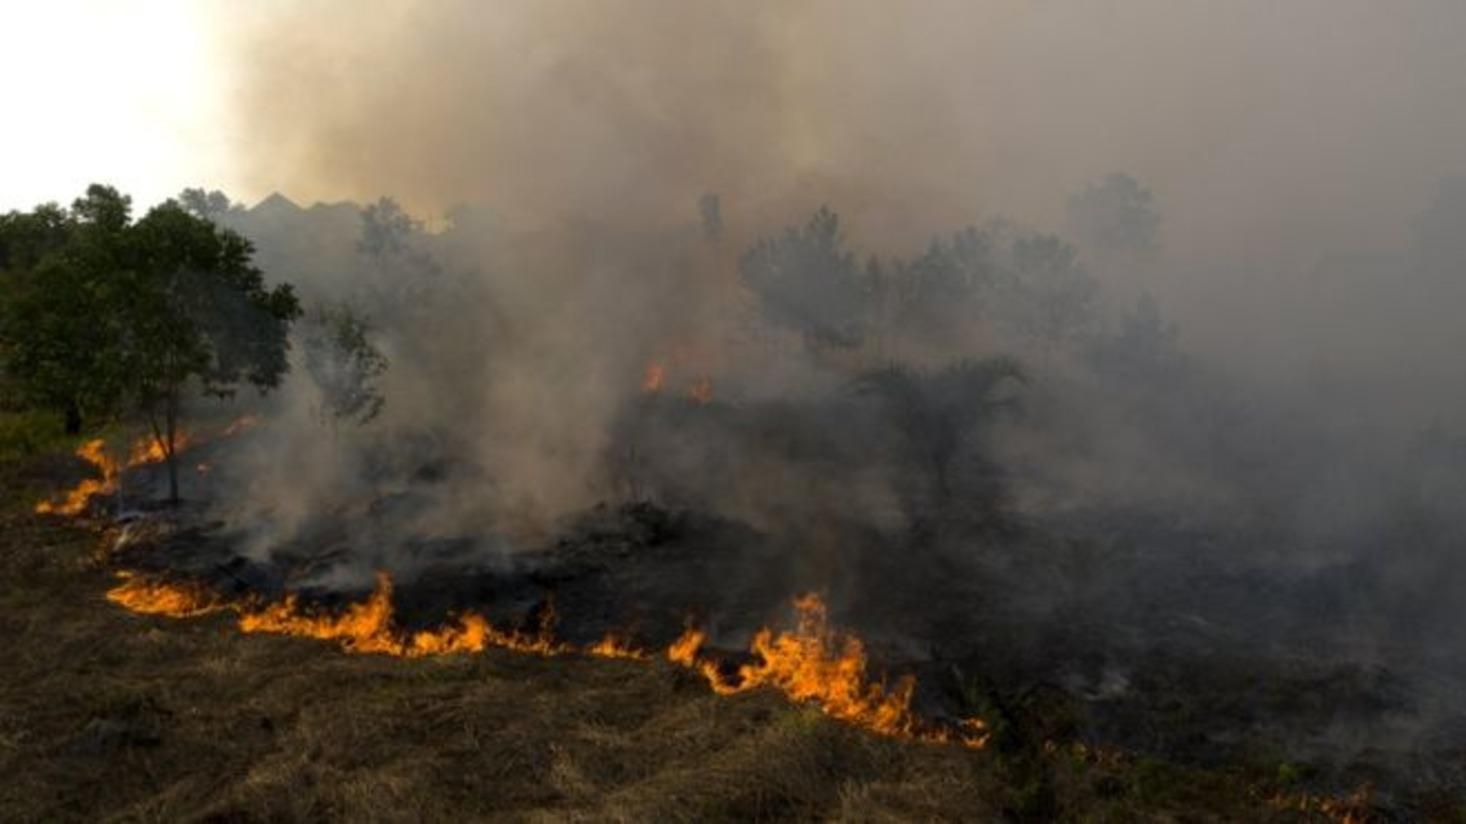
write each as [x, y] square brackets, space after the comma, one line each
[59, 330]
[344, 364]
[209, 205]
[400, 280]
[196, 308]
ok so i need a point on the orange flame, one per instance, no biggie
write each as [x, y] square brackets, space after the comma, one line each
[74, 502]
[150, 450]
[368, 627]
[1353, 808]
[651, 380]
[145, 450]
[162, 598]
[614, 646]
[814, 663]
[241, 424]
[701, 391]
[365, 627]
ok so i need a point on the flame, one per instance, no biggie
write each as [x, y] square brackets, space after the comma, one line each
[162, 597]
[614, 646]
[145, 450]
[365, 627]
[814, 663]
[74, 502]
[701, 391]
[241, 424]
[651, 380]
[150, 450]
[1353, 808]
[684, 652]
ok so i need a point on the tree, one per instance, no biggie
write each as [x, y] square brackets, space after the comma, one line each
[345, 365]
[195, 308]
[1053, 296]
[808, 283]
[1115, 216]
[400, 276]
[59, 331]
[710, 209]
[1145, 347]
[940, 293]
[209, 205]
[936, 413]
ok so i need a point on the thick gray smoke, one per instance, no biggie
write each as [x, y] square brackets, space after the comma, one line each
[1292, 151]
[1142, 314]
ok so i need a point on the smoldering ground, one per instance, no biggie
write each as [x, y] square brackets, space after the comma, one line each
[1260, 465]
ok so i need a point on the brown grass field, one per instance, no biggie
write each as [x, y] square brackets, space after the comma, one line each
[107, 715]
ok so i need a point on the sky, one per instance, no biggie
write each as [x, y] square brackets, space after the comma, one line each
[123, 93]
[1261, 126]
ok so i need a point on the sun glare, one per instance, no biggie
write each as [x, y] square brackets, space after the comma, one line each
[118, 92]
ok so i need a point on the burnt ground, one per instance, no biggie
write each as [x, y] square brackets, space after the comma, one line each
[108, 714]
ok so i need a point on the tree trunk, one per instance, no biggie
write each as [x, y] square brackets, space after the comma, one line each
[170, 450]
[73, 418]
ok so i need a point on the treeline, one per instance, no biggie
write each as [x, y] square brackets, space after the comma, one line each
[103, 315]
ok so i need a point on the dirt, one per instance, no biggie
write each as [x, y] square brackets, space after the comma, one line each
[110, 715]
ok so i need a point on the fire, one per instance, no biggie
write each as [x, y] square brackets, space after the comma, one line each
[701, 391]
[241, 424]
[162, 598]
[684, 652]
[74, 502]
[145, 450]
[150, 450]
[368, 627]
[651, 380]
[613, 646]
[814, 663]
[363, 627]
[1353, 808]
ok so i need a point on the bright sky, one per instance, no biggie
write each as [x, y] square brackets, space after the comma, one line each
[117, 92]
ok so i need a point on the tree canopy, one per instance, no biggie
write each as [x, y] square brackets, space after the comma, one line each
[106, 313]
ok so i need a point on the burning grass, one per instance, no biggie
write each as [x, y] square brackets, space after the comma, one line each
[103, 717]
[150, 597]
[815, 663]
[142, 452]
[74, 501]
[812, 663]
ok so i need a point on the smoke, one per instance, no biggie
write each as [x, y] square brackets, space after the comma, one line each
[1291, 149]
[1273, 136]
[1266, 128]
[1283, 406]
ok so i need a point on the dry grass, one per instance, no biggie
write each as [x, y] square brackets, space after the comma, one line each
[105, 715]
